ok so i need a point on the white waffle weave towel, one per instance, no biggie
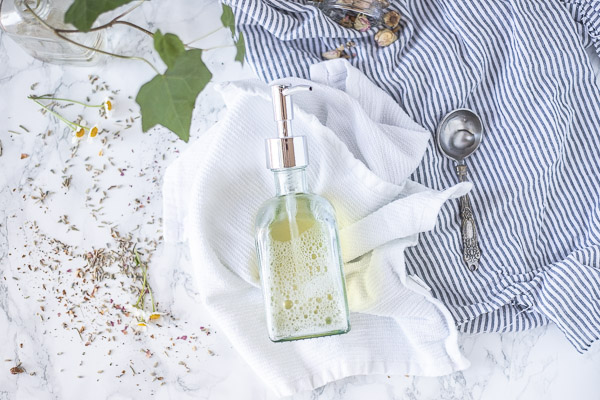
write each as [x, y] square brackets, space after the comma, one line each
[362, 149]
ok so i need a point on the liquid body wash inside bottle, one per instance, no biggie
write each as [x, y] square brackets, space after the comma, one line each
[297, 242]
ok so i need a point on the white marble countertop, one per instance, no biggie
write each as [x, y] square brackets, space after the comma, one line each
[58, 204]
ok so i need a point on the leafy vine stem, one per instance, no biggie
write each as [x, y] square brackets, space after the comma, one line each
[184, 61]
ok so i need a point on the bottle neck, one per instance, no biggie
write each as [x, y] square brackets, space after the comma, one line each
[289, 181]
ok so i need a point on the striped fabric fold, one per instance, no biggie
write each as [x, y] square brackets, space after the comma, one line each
[587, 13]
[522, 66]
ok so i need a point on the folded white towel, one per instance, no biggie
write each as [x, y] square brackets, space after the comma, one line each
[362, 148]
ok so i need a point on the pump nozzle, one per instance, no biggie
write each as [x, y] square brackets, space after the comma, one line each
[286, 151]
[282, 106]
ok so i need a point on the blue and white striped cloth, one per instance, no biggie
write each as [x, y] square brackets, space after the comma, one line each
[522, 66]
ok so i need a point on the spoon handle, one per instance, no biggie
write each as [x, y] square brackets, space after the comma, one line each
[471, 252]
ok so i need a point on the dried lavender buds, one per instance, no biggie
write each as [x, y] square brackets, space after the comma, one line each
[80, 288]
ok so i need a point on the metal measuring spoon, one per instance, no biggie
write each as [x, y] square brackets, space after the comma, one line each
[458, 136]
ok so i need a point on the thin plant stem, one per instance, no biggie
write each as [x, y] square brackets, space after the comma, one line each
[143, 290]
[71, 124]
[139, 28]
[115, 20]
[87, 47]
[69, 100]
[145, 284]
[206, 35]
[151, 299]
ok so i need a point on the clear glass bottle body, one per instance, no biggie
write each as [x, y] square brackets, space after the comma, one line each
[41, 42]
[300, 262]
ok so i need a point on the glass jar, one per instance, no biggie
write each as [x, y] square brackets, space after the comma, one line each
[22, 26]
[370, 8]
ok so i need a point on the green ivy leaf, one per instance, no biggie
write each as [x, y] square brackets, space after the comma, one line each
[227, 19]
[241, 49]
[169, 99]
[83, 13]
[168, 46]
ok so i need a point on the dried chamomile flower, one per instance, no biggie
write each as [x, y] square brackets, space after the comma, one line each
[361, 23]
[154, 316]
[93, 133]
[141, 316]
[138, 327]
[391, 19]
[385, 37]
[79, 127]
[108, 107]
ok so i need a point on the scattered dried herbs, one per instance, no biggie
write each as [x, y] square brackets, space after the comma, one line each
[17, 369]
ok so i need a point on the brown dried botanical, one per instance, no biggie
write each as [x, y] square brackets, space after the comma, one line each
[361, 23]
[385, 37]
[339, 52]
[347, 21]
[17, 370]
[391, 19]
[362, 4]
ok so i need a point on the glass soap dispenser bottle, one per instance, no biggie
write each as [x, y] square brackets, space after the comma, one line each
[297, 242]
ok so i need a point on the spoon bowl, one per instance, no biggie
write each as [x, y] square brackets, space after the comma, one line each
[459, 134]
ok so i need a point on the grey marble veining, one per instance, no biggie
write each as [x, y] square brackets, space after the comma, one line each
[41, 327]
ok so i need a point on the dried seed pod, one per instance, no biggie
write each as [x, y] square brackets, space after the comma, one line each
[385, 37]
[391, 19]
[361, 23]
